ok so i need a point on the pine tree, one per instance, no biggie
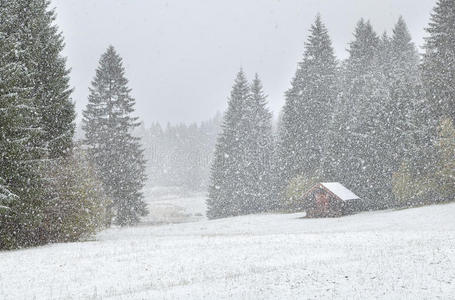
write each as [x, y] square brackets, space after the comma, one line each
[49, 76]
[20, 151]
[405, 90]
[385, 52]
[439, 61]
[259, 152]
[358, 131]
[401, 70]
[434, 105]
[227, 187]
[108, 124]
[308, 107]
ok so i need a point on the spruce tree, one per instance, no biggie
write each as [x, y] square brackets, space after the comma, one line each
[20, 135]
[386, 57]
[439, 61]
[359, 129]
[308, 108]
[227, 187]
[108, 124]
[436, 103]
[259, 152]
[405, 88]
[401, 70]
[35, 25]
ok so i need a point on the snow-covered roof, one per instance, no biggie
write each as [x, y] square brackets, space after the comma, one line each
[340, 191]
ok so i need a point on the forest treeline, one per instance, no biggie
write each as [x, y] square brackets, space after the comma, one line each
[51, 188]
[180, 155]
[380, 122]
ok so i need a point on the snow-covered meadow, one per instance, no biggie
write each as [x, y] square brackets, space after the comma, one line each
[407, 254]
[172, 205]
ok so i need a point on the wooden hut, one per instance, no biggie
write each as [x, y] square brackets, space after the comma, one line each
[330, 199]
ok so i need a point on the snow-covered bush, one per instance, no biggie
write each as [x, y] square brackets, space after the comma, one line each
[76, 205]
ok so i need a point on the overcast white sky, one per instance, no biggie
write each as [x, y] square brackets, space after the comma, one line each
[181, 56]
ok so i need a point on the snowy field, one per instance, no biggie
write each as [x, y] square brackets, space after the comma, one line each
[407, 254]
[167, 205]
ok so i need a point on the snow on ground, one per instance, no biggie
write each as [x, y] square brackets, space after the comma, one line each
[167, 205]
[406, 254]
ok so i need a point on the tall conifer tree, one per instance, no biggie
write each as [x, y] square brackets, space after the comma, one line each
[241, 178]
[35, 25]
[308, 107]
[227, 188]
[108, 124]
[439, 61]
[20, 136]
[259, 152]
[358, 132]
[406, 93]
[399, 60]
[436, 103]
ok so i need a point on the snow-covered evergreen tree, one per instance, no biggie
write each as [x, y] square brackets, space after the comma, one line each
[35, 25]
[359, 131]
[405, 90]
[227, 187]
[308, 108]
[402, 130]
[242, 170]
[439, 60]
[116, 153]
[259, 152]
[385, 52]
[433, 113]
[20, 135]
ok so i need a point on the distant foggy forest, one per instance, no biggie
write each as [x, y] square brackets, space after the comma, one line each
[180, 155]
